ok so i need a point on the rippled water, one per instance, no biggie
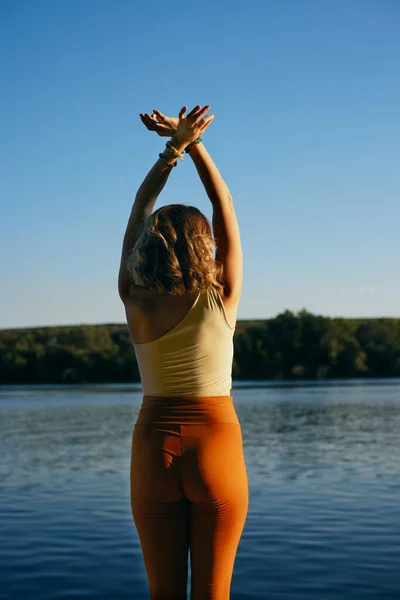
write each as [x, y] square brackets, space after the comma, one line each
[323, 462]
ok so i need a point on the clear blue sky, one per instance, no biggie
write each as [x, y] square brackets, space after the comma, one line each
[306, 97]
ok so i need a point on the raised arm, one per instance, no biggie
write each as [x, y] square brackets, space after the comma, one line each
[142, 208]
[184, 130]
[225, 223]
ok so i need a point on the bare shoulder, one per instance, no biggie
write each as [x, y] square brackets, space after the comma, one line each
[140, 298]
[141, 308]
[151, 314]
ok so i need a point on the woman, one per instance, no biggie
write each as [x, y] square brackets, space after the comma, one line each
[189, 486]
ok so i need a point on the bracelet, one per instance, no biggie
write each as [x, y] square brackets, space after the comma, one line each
[169, 153]
[175, 151]
[193, 144]
[166, 160]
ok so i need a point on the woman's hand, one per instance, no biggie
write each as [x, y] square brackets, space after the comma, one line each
[161, 124]
[190, 126]
[193, 125]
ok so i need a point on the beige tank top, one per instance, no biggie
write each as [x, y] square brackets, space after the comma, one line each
[195, 357]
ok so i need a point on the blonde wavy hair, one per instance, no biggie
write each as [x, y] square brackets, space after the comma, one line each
[174, 252]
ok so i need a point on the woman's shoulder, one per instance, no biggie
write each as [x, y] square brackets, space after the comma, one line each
[150, 299]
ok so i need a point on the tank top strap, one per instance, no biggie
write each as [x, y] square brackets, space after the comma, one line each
[212, 299]
[207, 299]
[216, 303]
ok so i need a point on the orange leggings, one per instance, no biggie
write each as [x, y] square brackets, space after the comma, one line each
[188, 492]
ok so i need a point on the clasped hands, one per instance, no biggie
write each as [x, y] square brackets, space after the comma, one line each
[185, 129]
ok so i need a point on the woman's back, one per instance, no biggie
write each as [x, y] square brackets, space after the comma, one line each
[152, 314]
[187, 355]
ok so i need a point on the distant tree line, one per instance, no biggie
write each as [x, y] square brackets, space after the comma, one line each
[290, 346]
